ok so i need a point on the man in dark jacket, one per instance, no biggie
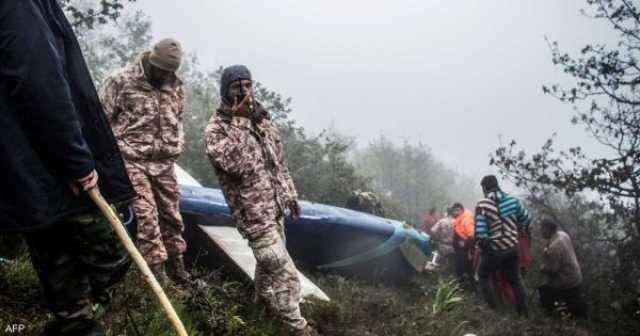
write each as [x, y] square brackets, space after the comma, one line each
[54, 142]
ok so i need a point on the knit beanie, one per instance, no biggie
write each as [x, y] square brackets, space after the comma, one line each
[166, 55]
[229, 75]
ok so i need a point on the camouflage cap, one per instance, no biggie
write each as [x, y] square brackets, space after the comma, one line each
[166, 55]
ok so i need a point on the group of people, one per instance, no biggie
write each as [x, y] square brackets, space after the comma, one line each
[492, 247]
[61, 138]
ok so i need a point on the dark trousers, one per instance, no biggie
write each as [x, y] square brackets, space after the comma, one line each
[556, 299]
[509, 263]
[77, 260]
[462, 265]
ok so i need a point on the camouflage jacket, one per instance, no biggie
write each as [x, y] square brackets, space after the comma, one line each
[146, 121]
[248, 160]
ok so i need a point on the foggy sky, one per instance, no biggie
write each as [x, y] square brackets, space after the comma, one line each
[455, 75]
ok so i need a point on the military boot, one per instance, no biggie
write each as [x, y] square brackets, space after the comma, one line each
[160, 273]
[177, 270]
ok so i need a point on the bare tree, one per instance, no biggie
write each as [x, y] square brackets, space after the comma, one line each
[99, 13]
[606, 102]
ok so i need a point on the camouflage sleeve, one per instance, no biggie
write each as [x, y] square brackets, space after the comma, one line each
[225, 154]
[109, 96]
[292, 187]
[283, 163]
[180, 117]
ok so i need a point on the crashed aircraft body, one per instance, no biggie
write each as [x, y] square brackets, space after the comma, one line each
[326, 238]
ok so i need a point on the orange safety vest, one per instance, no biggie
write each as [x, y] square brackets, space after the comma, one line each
[464, 225]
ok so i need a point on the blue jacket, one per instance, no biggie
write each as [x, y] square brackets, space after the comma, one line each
[52, 126]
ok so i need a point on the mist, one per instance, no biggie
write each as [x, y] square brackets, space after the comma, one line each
[459, 77]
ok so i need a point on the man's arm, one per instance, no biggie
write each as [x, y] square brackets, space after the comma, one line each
[551, 260]
[180, 118]
[437, 231]
[292, 204]
[482, 225]
[110, 98]
[33, 75]
[283, 163]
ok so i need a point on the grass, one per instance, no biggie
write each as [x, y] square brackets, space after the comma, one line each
[447, 296]
[426, 305]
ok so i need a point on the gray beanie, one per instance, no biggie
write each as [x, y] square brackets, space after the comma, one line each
[231, 74]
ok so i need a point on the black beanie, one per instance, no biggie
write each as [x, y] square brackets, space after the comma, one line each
[489, 183]
[231, 74]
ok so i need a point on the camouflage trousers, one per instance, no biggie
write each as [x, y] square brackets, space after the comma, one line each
[160, 224]
[77, 260]
[276, 277]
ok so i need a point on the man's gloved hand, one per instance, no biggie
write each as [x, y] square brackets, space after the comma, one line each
[294, 209]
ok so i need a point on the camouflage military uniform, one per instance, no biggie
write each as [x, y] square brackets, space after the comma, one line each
[248, 160]
[76, 274]
[147, 123]
[276, 277]
[160, 225]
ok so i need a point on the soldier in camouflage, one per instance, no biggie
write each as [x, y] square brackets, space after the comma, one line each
[76, 299]
[144, 103]
[245, 150]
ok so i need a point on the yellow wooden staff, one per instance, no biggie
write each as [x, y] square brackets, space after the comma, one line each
[148, 276]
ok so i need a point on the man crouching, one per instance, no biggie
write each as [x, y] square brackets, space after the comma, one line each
[245, 150]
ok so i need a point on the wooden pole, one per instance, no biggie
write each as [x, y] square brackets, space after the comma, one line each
[148, 276]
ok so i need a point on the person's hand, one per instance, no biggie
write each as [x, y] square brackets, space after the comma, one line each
[242, 108]
[294, 210]
[85, 184]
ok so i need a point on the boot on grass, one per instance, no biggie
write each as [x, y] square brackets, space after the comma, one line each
[177, 269]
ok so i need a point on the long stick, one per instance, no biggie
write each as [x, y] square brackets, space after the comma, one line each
[148, 276]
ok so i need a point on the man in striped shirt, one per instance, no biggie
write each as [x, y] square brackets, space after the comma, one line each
[499, 218]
